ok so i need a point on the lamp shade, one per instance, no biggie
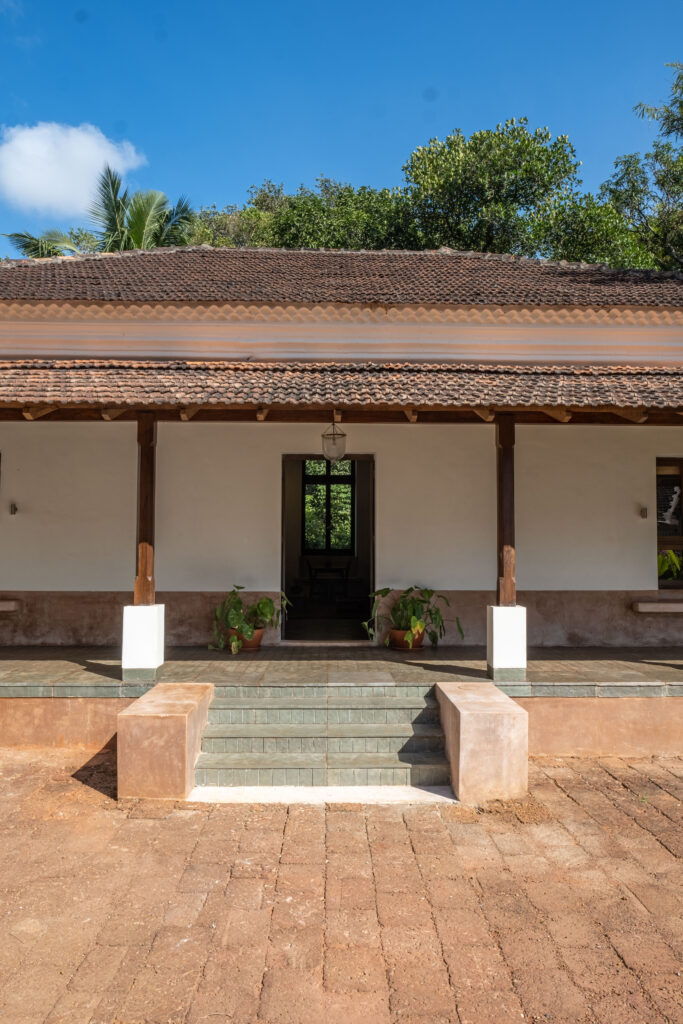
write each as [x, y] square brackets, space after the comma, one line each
[334, 443]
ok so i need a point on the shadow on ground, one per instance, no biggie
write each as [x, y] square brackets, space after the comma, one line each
[99, 772]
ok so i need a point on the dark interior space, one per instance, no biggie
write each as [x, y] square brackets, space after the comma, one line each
[327, 546]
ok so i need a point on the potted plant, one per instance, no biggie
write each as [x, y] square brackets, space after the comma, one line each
[415, 612]
[669, 569]
[239, 626]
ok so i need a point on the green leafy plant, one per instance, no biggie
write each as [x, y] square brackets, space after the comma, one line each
[669, 566]
[415, 611]
[234, 622]
[121, 220]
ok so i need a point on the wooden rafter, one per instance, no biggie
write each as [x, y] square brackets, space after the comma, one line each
[34, 412]
[632, 415]
[112, 414]
[483, 412]
[410, 414]
[337, 416]
[188, 412]
[558, 413]
[262, 413]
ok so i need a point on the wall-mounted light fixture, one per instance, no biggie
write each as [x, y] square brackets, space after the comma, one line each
[13, 508]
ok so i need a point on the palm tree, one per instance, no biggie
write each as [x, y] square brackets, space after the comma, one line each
[143, 220]
[50, 243]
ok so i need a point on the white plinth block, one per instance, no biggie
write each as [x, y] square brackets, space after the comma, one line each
[143, 642]
[506, 643]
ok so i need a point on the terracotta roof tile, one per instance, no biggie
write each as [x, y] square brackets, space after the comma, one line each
[203, 274]
[148, 384]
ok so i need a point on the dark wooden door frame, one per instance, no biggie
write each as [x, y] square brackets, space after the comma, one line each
[283, 527]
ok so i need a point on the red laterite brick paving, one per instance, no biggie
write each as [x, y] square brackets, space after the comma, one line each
[565, 908]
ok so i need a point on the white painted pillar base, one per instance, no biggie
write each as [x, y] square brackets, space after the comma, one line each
[506, 643]
[142, 653]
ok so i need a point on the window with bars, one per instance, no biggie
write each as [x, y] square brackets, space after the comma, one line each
[670, 522]
[329, 502]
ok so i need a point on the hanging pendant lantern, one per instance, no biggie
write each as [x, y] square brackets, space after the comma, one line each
[334, 443]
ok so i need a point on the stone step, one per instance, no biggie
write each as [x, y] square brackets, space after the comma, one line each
[398, 729]
[311, 738]
[323, 700]
[323, 769]
[254, 691]
[321, 710]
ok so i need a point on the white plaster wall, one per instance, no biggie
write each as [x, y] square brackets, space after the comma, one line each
[579, 491]
[75, 488]
[219, 502]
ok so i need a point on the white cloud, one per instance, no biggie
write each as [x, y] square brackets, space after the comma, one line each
[53, 168]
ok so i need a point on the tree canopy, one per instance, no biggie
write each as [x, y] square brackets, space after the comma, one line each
[486, 192]
[509, 189]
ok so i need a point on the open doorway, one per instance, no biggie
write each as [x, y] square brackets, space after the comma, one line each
[327, 546]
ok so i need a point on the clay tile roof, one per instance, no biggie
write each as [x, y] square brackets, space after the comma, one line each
[203, 274]
[147, 384]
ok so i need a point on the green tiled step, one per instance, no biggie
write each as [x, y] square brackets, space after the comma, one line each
[311, 738]
[324, 699]
[351, 691]
[321, 769]
[321, 710]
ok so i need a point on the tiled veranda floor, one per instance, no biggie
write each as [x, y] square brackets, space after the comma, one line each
[560, 671]
[563, 909]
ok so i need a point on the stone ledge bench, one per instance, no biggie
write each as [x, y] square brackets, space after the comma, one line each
[663, 606]
[159, 738]
[487, 742]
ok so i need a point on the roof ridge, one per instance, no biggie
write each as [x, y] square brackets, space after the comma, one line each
[336, 366]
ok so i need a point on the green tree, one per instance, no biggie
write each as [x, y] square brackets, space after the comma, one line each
[335, 215]
[50, 243]
[584, 229]
[669, 115]
[143, 220]
[83, 239]
[249, 225]
[648, 192]
[486, 192]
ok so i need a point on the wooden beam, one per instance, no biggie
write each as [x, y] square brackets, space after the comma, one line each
[34, 412]
[410, 415]
[337, 416]
[484, 413]
[632, 415]
[505, 477]
[112, 414]
[144, 590]
[188, 412]
[557, 413]
[262, 413]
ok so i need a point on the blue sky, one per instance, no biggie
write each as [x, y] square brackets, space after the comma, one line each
[208, 98]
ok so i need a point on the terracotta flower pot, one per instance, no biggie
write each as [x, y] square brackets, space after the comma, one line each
[397, 640]
[249, 645]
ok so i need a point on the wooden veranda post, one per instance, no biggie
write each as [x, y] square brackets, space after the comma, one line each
[505, 448]
[147, 438]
